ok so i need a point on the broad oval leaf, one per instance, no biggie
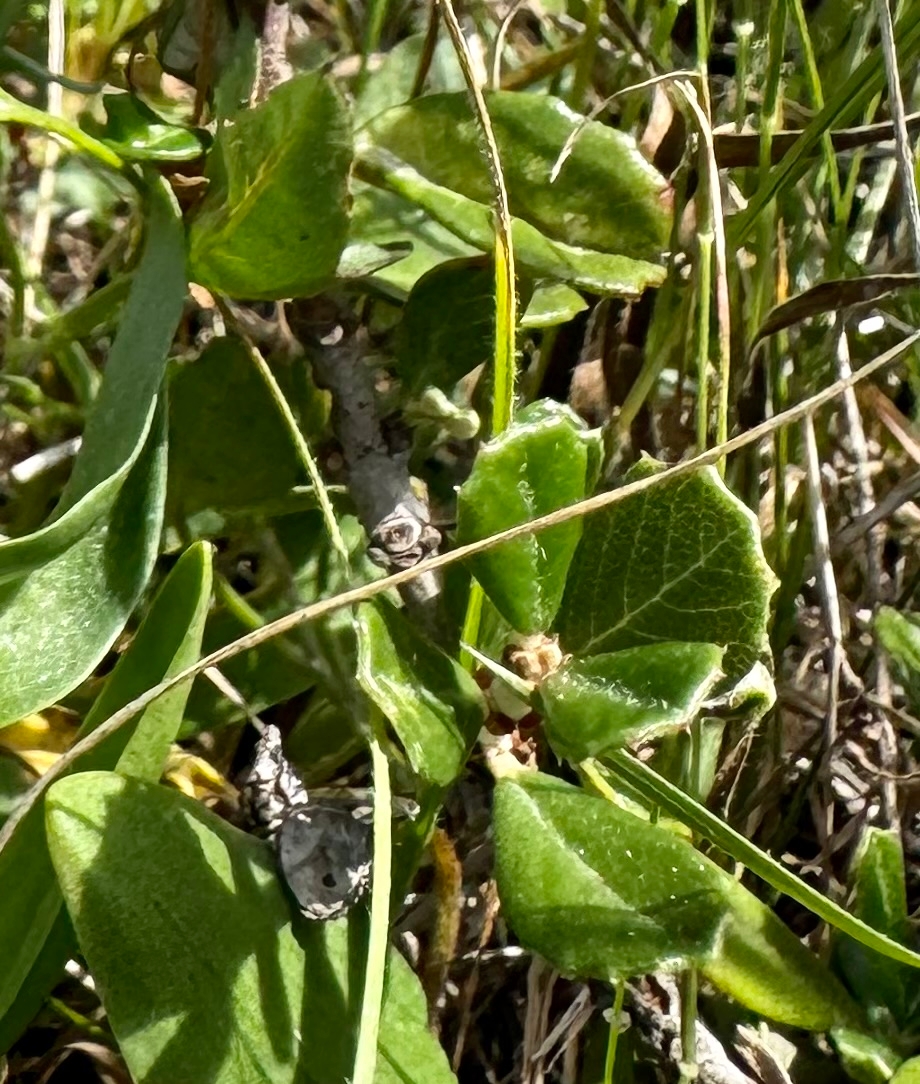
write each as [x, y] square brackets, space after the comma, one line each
[680, 561]
[607, 197]
[590, 888]
[544, 460]
[537, 255]
[433, 704]
[188, 935]
[448, 323]
[33, 931]
[607, 701]
[275, 219]
[602, 893]
[212, 401]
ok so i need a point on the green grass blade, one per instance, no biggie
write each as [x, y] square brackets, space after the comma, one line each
[866, 80]
[672, 800]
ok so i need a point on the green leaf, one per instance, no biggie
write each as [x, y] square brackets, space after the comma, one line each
[57, 622]
[899, 634]
[909, 1073]
[544, 460]
[213, 401]
[448, 324]
[762, 965]
[608, 701]
[433, 704]
[137, 134]
[535, 254]
[136, 363]
[185, 930]
[32, 938]
[552, 304]
[590, 888]
[681, 561]
[121, 416]
[59, 331]
[658, 792]
[275, 219]
[46, 972]
[363, 259]
[864, 1058]
[167, 642]
[606, 198]
[602, 893]
[847, 99]
[882, 986]
[12, 111]
[20, 556]
[188, 935]
[381, 218]
[391, 84]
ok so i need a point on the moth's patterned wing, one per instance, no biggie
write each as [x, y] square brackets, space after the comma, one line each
[324, 855]
[270, 790]
[323, 848]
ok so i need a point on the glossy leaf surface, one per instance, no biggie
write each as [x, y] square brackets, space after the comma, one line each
[433, 704]
[448, 324]
[606, 701]
[607, 197]
[275, 219]
[546, 459]
[138, 134]
[680, 561]
[534, 253]
[602, 893]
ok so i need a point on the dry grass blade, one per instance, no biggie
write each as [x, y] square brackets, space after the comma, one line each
[831, 296]
[736, 150]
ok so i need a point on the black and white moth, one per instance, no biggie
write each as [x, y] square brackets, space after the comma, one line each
[323, 847]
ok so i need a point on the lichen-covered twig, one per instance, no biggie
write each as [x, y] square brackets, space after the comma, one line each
[395, 517]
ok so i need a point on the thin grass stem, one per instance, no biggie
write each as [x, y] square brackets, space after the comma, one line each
[378, 943]
[613, 1035]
